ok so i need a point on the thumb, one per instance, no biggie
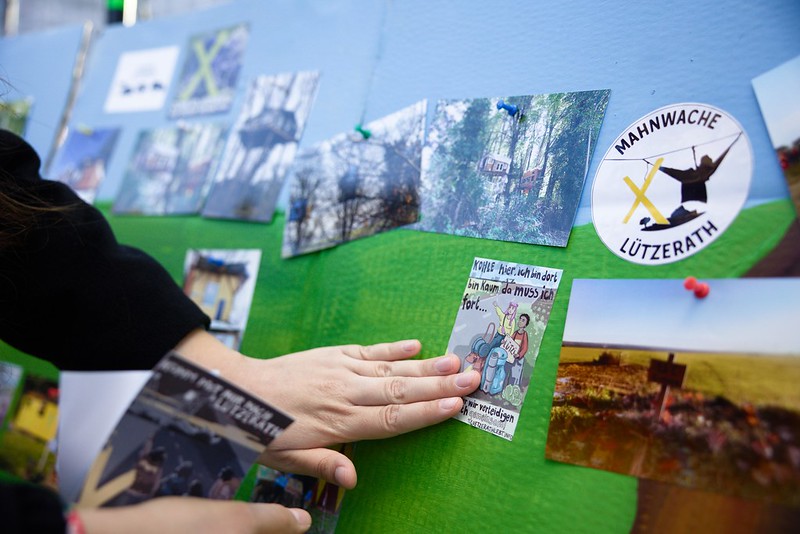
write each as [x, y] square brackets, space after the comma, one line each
[322, 463]
[273, 518]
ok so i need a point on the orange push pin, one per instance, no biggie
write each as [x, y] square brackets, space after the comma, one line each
[700, 289]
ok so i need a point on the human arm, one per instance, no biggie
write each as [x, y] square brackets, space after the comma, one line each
[70, 292]
[168, 515]
[339, 395]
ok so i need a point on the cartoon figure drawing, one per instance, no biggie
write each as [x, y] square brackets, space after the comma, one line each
[694, 192]
[520, 337]
[507, 319]
[499, 363]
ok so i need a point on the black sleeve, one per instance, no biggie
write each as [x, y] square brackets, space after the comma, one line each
[26, 508]
[71, 294]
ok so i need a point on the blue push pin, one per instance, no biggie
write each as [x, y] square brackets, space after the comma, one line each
[511, 108]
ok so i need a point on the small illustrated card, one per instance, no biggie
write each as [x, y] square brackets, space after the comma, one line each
[510, 169]
[187, 432]
[498, 331]
[222, 283]
[356, 185]
[28, 445]
[83, 159]
[776, 91]
[261, 147]
[701, 392]
[207, 83]
[170, 170]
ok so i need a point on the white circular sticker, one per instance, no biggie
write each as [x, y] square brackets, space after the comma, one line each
[671, 183]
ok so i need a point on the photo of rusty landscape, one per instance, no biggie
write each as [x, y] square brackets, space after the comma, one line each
[732, 424]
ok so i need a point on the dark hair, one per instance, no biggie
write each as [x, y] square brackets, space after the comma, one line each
[528, 317]
[21, 210]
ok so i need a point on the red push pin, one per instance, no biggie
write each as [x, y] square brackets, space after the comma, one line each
[700, 289]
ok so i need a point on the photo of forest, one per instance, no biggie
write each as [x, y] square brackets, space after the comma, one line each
[351, 187]
[512, 177]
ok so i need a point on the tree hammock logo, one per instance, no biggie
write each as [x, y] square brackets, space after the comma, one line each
[671, 183]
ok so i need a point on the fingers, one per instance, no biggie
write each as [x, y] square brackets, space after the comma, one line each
[398, 350]
[406, 390]
[386, 421]
[322, 463]
[274, 518]
[443, 365]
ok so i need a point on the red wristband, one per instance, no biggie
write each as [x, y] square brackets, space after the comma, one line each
[74, 523]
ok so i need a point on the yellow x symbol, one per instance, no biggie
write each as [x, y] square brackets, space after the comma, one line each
[204, 71]
[641, 198]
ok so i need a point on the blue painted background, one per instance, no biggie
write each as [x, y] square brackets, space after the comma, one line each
[377, 57]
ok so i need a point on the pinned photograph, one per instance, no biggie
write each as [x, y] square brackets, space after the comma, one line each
[82, 160]
[10, 375]
[141, 80]
[320, 498]
[509, 169]
[170, 170]
[657, 383]
[14, 115]
[207, 83]
[498, 331]
[777, 92]
[261, 147]
[357, 184]
[28, 445]
[187, 433]
[222, 284]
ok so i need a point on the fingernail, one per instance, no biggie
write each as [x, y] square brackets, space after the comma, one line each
[442, 365]
[447, 404]
[339, 475]
[302, 517]
[464, 380]
[410, 346]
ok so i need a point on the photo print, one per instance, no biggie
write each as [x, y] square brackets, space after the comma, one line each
[28, 445]
[207, 83]
[83, 158]
[222, 283]
[261, 147]
[170, 170]
[188, 432]
[656, 383]
[777, 92]
[14, 115]
[494, 174]
[350, 187]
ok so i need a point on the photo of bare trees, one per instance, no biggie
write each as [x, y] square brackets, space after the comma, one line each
[350, 186]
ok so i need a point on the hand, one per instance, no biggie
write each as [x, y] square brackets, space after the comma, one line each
[168, 515]
[342, 394]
